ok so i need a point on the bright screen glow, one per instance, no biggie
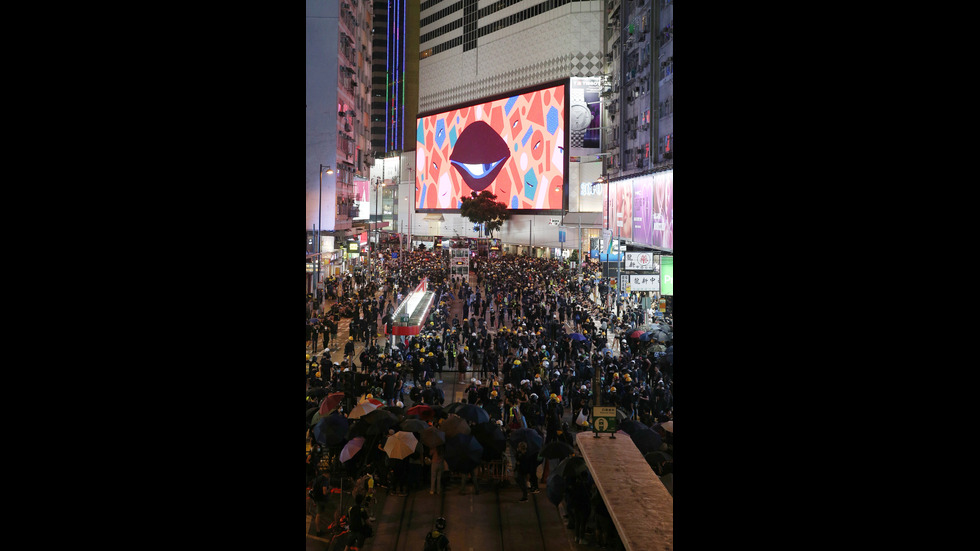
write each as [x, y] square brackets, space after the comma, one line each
[513, 146]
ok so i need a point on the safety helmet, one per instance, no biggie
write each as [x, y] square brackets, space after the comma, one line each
[428, 383]
[307, 356]
[493, 393]
[440, 523]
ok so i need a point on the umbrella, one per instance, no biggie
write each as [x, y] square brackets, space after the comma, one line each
[309, 415]
[454, 425]
[492, 439]
[413, 425]
[629, 426]
[318, 392]
[423, 411]
[378, 416]
[359, 428]
[530, 436]
[401, 445]
[362, 409]
[556, 450]
[350, 450]
[331, 430]
[636, 334]
[463, 453]
[571, 466]
[432, 437]
[451, 408]
[657, 458]
[395, 410]
[473, 413]
[331, 402]
[621, 415]
[668, 426]
[556, 488]
[438, 412]
[380, 425]
[647, 337]
[646, 440]
[578, 337]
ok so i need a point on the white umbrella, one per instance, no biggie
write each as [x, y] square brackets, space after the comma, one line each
[365, 407]
[401, 445]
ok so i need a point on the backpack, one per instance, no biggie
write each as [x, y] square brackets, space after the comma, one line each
[435, 541]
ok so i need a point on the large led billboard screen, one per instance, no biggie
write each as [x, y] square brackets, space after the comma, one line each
[511, 145]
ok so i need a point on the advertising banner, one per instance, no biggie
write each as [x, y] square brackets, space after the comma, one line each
[585, 114]
[642, 220]
[513, 147]
[662, 230]
[667, 275]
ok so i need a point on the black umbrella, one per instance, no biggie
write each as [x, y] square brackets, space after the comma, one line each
[657, 458]
[451, 408]
[413, 425]
[646, 440]
[571, 466]
[395, 410]
[310, 413]
[556, 450]
[531, 436]
[463, 453]
[492, 439]
[318, 392]
[432, 437]
[473, 413]
[379, 416]
[556, 488]
[331, 430]
[629, 426]
[454, 425]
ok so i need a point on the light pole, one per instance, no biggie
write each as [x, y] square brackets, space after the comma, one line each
[319, 224]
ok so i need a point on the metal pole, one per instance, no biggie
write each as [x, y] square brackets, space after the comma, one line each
[319, 224]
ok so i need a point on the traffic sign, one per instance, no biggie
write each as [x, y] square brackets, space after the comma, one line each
[604, 419]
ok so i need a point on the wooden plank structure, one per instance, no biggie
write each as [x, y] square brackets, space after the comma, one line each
[640, 506]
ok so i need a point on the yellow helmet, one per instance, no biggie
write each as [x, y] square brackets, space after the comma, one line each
[431, 354]
[350, 338]
[493, 393]
[369, 396]
[317, 373]
[398, 365]
[612, 389]
[517, 362]
[307, 356]
[428, 383]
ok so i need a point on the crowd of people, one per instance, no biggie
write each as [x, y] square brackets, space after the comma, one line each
[535, 345]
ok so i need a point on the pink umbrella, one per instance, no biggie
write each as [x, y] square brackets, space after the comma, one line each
[351, 449]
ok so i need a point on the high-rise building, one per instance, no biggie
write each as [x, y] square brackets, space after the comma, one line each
[338, 138]
[642, 97]
[471, 50]
[394, 106]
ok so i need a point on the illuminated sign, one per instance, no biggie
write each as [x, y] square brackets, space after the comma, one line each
[512, 146]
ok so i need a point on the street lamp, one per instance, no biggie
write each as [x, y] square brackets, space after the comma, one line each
[319, 207]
